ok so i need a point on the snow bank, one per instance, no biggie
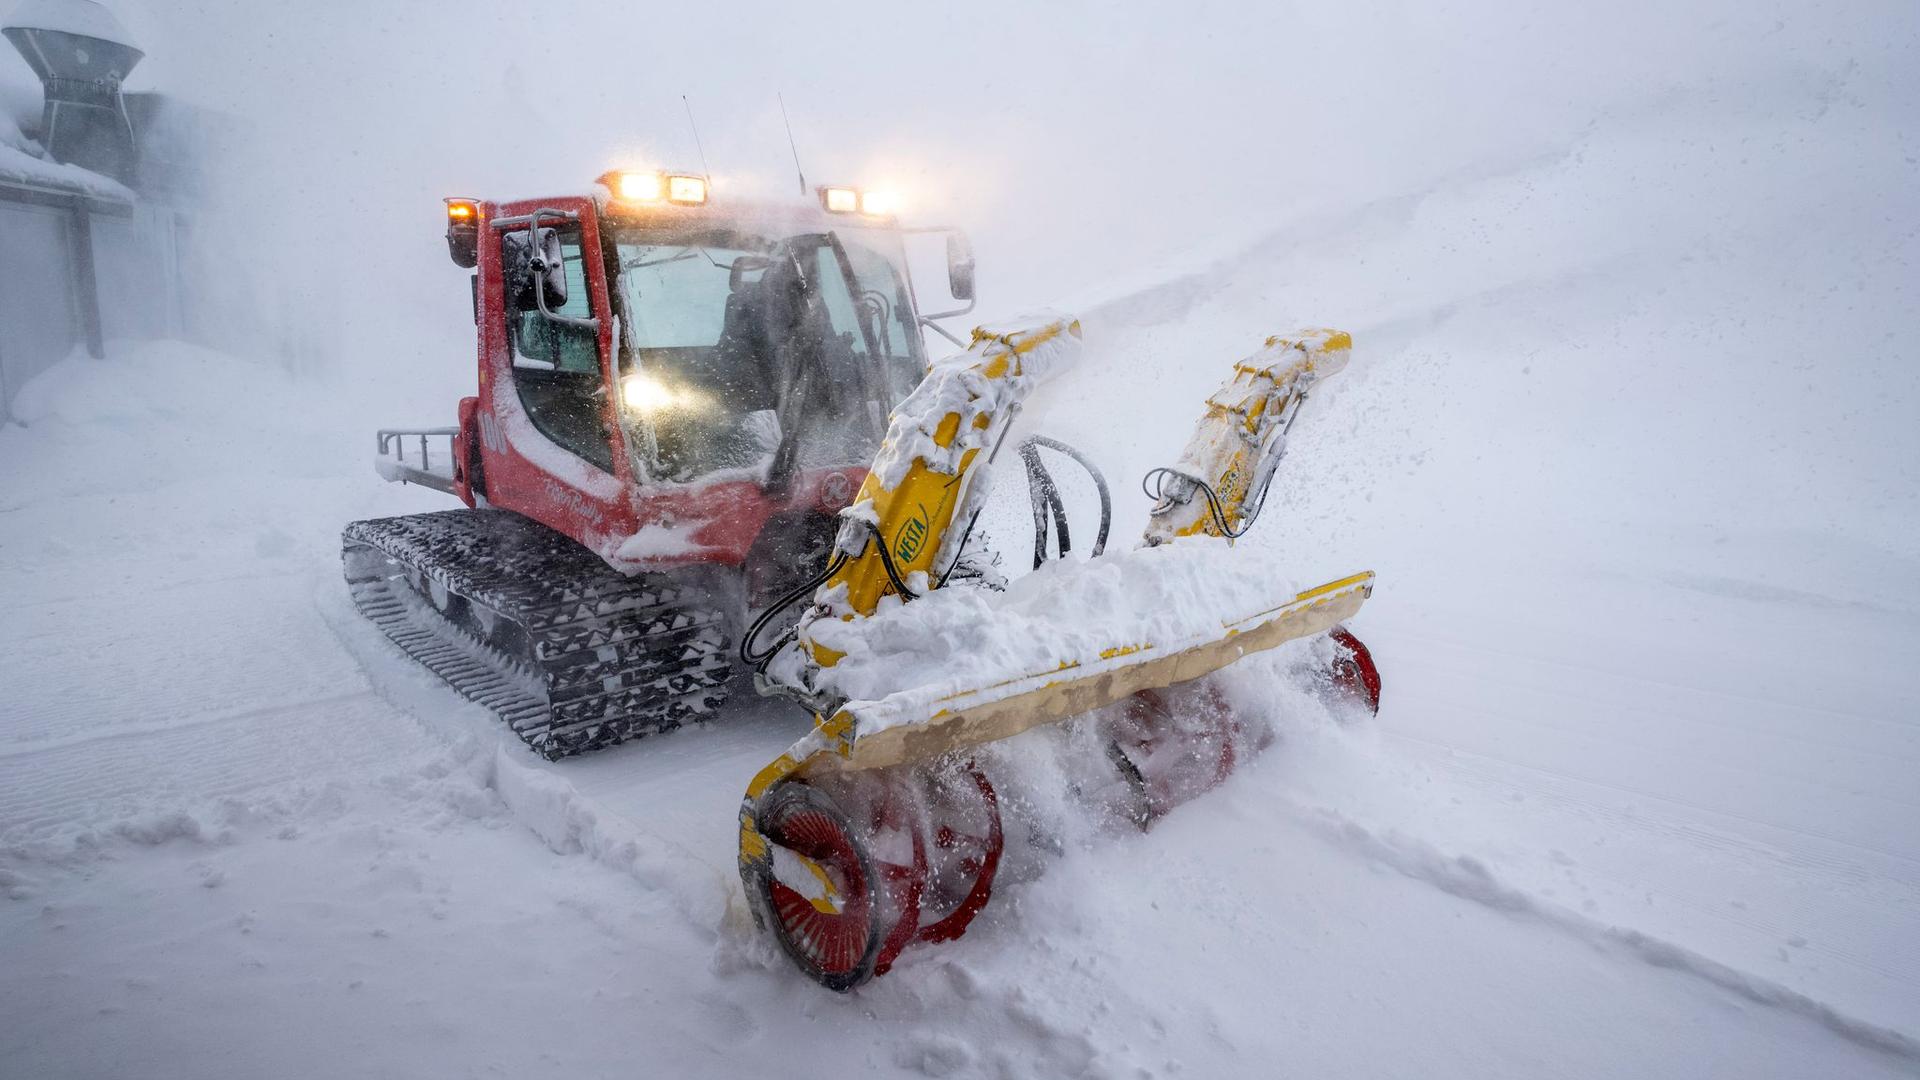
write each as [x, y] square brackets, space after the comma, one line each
[158, 412]
[148, 381]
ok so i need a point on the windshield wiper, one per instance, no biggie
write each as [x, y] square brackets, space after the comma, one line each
[682, 254]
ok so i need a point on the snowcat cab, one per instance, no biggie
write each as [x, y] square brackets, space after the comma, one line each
[722, 366]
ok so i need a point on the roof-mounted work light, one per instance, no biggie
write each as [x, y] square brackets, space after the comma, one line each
[635, 186]
[839, 200]
[846, 200]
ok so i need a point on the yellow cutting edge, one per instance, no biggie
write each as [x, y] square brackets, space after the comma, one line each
[886, 733]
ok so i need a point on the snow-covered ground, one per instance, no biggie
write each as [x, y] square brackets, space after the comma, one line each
[1627, 437]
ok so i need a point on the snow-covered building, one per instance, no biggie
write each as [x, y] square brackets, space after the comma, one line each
[96, 190]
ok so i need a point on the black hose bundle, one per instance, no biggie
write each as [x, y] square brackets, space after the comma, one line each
[1047, 505]
[1154, 483]
[757, 659]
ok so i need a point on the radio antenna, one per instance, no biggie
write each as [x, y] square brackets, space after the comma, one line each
[802, 173]
[704, 171]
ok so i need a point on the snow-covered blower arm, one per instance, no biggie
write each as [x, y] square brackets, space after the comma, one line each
[898, 536]
[1220, 483]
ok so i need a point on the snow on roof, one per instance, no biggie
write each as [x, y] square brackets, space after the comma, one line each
[83, 17]
[19, 167]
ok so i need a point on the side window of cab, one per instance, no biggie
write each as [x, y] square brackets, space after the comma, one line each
[556, 365]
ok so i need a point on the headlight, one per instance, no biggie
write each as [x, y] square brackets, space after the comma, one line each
[650, 395]
[643, 393]
[840, 200]
[878, 203]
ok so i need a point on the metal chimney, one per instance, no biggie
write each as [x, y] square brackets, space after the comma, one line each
[81, 53]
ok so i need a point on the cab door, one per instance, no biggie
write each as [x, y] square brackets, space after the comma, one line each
[551, 441]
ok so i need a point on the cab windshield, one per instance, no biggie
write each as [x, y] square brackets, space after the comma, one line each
[753, 352]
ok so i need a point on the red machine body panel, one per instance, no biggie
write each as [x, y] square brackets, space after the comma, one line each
[633, 522]
[466, 450]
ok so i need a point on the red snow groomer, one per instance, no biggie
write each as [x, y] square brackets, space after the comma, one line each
[690, 417]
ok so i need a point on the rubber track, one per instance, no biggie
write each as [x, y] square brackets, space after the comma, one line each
[572, 654]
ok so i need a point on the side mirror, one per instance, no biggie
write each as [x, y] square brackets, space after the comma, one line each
[536, 275]
[959, 266]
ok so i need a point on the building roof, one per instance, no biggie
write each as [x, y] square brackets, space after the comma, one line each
[83, 17]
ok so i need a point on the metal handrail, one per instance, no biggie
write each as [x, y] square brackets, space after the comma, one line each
[390, 436]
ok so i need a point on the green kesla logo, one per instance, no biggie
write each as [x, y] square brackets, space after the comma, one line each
[912, 535]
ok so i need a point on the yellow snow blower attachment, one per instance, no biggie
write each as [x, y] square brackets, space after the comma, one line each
[877, 829]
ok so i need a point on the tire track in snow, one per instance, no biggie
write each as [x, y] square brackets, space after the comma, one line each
[1469, 879]
[1898, 867]
[1894, 889]
[131, 661]
[27, 747]
[116, 776]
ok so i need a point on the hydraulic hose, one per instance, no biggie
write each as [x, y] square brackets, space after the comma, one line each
[1047, 503]
[1154, 484]
[747, 652]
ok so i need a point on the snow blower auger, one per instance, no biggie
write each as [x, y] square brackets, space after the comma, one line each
[879, 828]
